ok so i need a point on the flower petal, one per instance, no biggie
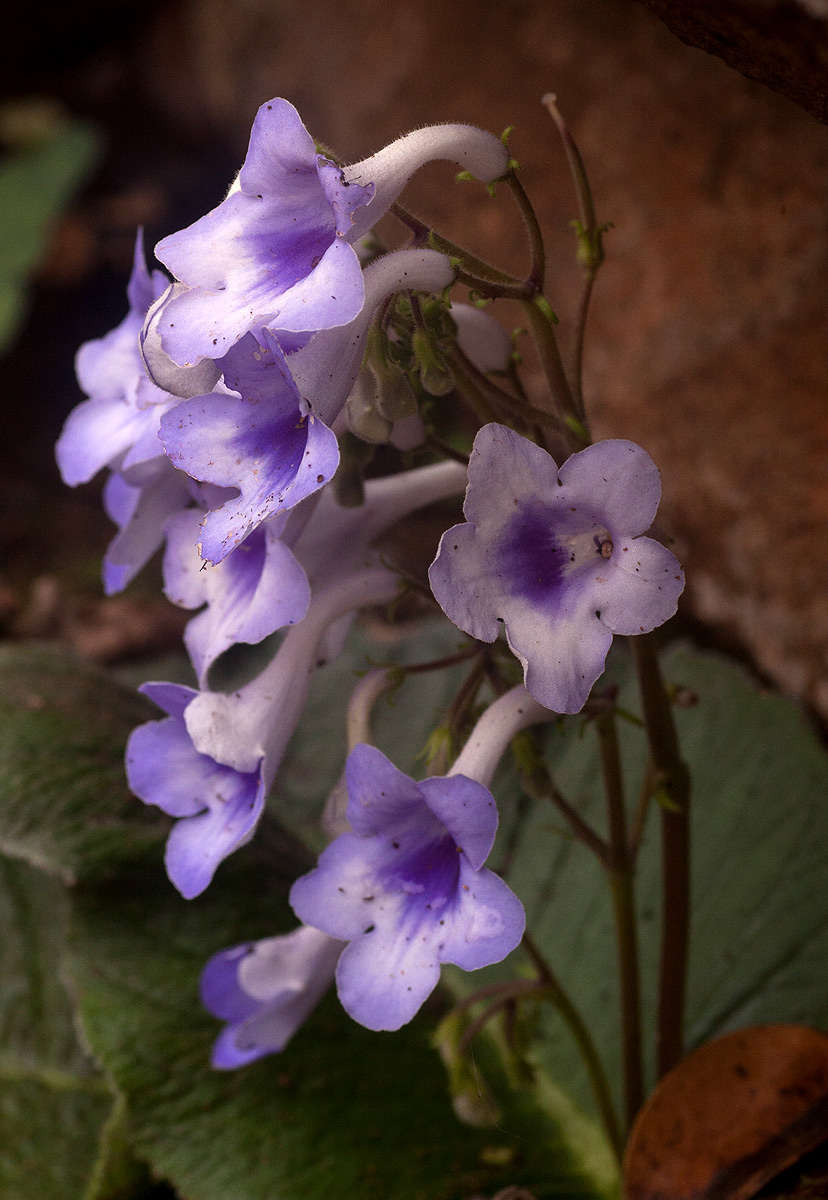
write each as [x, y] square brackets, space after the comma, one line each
[617, 478]
[644, 588]
[510, 467]
[563, 656]
[380, 795]
[198, 844]
[164, 769]
[467, 810]
[487, 924]
[382, 980]
[264, 448]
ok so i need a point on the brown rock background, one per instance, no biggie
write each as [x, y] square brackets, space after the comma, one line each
[706, 339]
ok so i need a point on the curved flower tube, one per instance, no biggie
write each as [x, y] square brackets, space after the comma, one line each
[211, 762]
[325, 369]
[388, 171]
[278, 252]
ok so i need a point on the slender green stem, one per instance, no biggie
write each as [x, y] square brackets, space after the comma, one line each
[458, 709]
[540, 785]
[623, 900]
[590, 245]
[673, 781]
[478, 268]
[492, 289]
[578, 348]
[543, 333]
[583, 191]
[640, 820]
[583, 1038]
[537, 270]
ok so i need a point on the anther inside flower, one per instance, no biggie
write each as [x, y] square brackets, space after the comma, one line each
[554, 556]
[407, 889]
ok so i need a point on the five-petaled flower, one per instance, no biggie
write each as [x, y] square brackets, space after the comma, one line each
[554, 556]
[407, 889]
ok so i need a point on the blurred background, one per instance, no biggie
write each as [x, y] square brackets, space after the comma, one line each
[706, 341]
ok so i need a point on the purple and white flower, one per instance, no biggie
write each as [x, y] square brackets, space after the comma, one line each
[258, 442]
[265, 990]
[217, 808]
[278, 253]
[256, 590]
[273, 254]
[269, 437]
[555, 557]
[140, 510]
[117, 427]
[118, 424]
[265, 584]
[211, 762]
[407, 889]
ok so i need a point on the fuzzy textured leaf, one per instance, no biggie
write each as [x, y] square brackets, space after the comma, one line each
[64, 803]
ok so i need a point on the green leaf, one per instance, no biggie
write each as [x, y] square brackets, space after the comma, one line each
[341, 1112]
[64, 802]
[36, 182]
[759, 905]
[53, 1101]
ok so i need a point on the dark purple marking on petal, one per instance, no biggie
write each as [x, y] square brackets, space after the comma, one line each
[543, 548]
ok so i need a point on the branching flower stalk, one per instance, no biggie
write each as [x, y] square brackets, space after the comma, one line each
[283, 353]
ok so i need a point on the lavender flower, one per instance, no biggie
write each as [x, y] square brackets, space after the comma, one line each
[407, 889]
[269, 437]
[117, 427]
[273, 254]
[140, 510]
[265, 990]
[212, 761]
[119, 421]
[278, 252]
[555, 557]
[217, 807]
[256, 590]
[258, 442]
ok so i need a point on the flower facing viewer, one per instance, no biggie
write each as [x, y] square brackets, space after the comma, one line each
[555, 556]
[407, 889]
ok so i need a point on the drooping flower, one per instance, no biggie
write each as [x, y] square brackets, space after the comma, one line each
[269, 437]
[216, 807]
[278, 253]
[140, 509]
[555, 557]
[258, 442]
[407, 889]
[119, 422]
[273, 254]
[256, 590]
[211, 762]
[265, 584]
[117, 427]
[265, 990]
